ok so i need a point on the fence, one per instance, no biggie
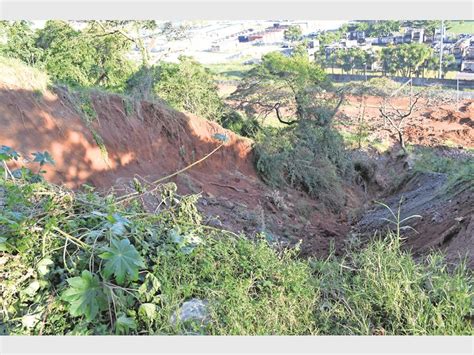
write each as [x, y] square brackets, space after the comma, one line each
[446, 83]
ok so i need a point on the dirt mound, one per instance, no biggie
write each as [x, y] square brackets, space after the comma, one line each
[151, 141]
[447, 215]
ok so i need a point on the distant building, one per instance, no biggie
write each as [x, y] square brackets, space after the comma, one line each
[385, 40]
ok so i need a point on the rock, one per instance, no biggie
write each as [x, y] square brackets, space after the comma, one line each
[228, 204]
[195, 311]
[214, 222]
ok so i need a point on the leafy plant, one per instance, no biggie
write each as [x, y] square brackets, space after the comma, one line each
[7, 153]
[85, 296]
[43, 158]
[122, 260]
[124, 325]
[149, 288]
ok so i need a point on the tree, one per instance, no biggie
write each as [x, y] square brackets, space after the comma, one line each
[383, 28]
[280, 84]
[188, 86]
[405, 59]
[293, 33]
[20, 42]
[448, 63]
[132, 31]
[66, 56]
[397, 117]
[86, 58]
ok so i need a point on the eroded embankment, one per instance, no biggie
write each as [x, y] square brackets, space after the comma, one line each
[439, 214]
[106, 141]
[119, 140]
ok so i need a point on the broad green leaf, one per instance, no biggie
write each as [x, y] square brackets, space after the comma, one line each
[147, 311]
[122, 261]
[124, 324]
[117, 224]
[85, 296]
[149, 287]
[7, 153]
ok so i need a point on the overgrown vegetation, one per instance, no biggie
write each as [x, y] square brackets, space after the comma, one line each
[80, 263]
[307, 156]
[188, 86]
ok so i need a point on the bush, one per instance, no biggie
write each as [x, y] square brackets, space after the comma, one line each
[189, 86]
[244, 126]
[306, 156]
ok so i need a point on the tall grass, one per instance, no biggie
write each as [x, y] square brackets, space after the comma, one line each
[16, 73]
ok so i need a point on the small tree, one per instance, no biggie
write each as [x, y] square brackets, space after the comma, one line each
[280, 84]
[188, 86]
[293, 33]
[397, 118]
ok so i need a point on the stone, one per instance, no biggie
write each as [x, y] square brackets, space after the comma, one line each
[195, 311]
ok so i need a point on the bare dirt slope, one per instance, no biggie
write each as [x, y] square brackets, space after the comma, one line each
[446, 213]
[431, 124]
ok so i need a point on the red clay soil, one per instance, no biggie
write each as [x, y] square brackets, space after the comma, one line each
[156, 141]
[431, 124]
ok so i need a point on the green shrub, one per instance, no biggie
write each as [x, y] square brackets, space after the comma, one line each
[244, 126]
[101, 268]
[305, 156]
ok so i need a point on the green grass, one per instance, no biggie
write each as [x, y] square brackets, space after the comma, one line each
[50, 235]
[229, 71]
[351, 140]
[382, 290]
[460, 170]
[458, 27]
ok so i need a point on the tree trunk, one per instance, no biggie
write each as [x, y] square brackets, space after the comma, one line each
[402, 140]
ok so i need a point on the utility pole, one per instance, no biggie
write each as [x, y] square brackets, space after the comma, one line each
[441, 51]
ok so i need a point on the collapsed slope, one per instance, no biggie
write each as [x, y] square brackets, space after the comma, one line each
[121, 140]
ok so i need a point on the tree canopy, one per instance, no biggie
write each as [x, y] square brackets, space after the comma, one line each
[293, 33]
[278, 82]
[405, 59]
[188, 86]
